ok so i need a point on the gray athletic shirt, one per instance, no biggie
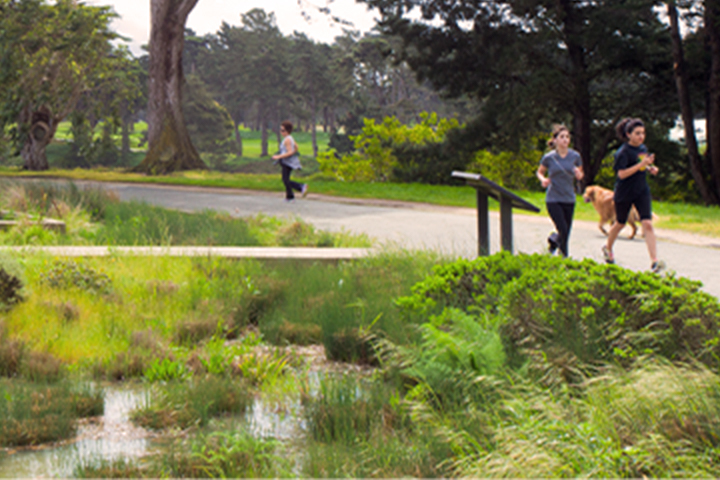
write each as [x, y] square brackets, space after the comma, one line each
[561, 172]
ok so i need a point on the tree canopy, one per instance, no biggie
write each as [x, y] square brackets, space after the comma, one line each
[533, 62]
[49, 56]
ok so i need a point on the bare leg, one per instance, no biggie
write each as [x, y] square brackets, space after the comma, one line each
[613, 235]
[650, 239]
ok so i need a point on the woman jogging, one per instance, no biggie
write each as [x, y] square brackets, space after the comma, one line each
[557, 173]
[632, 163]
[289, 160]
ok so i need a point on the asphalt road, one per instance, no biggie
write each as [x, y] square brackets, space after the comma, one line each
[451, 231]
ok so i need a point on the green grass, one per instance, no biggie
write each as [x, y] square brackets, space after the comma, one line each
[95, 217]
[251, 142]
[35, 413]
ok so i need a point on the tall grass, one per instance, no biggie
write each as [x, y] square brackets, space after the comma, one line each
[95, 216]
[192, 403]
[353, 300]
[361, 427]
[232, 454]
[31, 414]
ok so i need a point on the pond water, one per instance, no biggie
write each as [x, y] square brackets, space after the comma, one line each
[113, 437]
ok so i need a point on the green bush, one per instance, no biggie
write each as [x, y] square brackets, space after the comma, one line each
[374, 158]
[571, 315]
[70, 274]
[12, 282]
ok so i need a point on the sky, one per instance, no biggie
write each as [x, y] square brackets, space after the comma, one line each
[206, 17]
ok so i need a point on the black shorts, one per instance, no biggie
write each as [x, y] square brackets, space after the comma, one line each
[642, 203]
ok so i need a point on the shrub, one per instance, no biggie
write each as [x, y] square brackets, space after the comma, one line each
[11, 282]
[569, 315]
[373, 158]
[70, 274]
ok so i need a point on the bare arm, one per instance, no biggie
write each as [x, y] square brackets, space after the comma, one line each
[290, 147]
[541, 172]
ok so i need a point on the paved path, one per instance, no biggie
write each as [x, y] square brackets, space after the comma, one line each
[451, 231]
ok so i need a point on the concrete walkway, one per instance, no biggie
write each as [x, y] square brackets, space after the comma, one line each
[265, 253]
[450, 231]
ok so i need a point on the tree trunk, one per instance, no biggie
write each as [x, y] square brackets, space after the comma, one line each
[238, 138]
[712, 24]
[681, 83]
[40, 132]
[581, 110]
[169, 146]
[127, 124]
[263, 132]
[313, 126]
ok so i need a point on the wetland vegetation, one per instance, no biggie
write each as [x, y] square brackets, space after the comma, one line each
[400, 364]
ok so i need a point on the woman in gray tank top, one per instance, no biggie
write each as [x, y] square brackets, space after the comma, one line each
[557, 173]
[289, 160]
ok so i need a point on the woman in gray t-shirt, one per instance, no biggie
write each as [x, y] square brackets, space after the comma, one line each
[557, 173]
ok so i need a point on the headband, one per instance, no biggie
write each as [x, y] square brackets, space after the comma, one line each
[632, 124]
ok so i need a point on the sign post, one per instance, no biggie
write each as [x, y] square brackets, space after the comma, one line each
[485, 188]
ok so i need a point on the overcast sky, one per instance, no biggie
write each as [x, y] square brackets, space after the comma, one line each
[206, 17]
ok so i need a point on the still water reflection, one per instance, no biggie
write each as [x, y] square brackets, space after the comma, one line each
[111, 437]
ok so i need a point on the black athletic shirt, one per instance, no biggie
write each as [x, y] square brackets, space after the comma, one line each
[635, 185]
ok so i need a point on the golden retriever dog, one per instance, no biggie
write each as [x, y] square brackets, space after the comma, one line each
[602, 200]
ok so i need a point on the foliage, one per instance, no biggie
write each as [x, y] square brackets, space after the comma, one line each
[209, 123]
[31, 414]
[51, 54]
[531, 63]
[654, 421]
[454, 349]
[511, 169]
[374, 159]
[70, 274]
[347, 409]
[165, 370]
[12, 282]
[225, 455]
[568, 317]
[192, 403]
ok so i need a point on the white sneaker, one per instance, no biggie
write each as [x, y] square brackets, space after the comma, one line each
[304, 190]
[657, 266]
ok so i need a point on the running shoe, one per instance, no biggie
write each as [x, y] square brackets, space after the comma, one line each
[608, 255]
[304, 190]
[657, 266]
[553, 243]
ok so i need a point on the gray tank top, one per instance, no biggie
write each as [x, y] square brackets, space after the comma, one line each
[293, 161]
